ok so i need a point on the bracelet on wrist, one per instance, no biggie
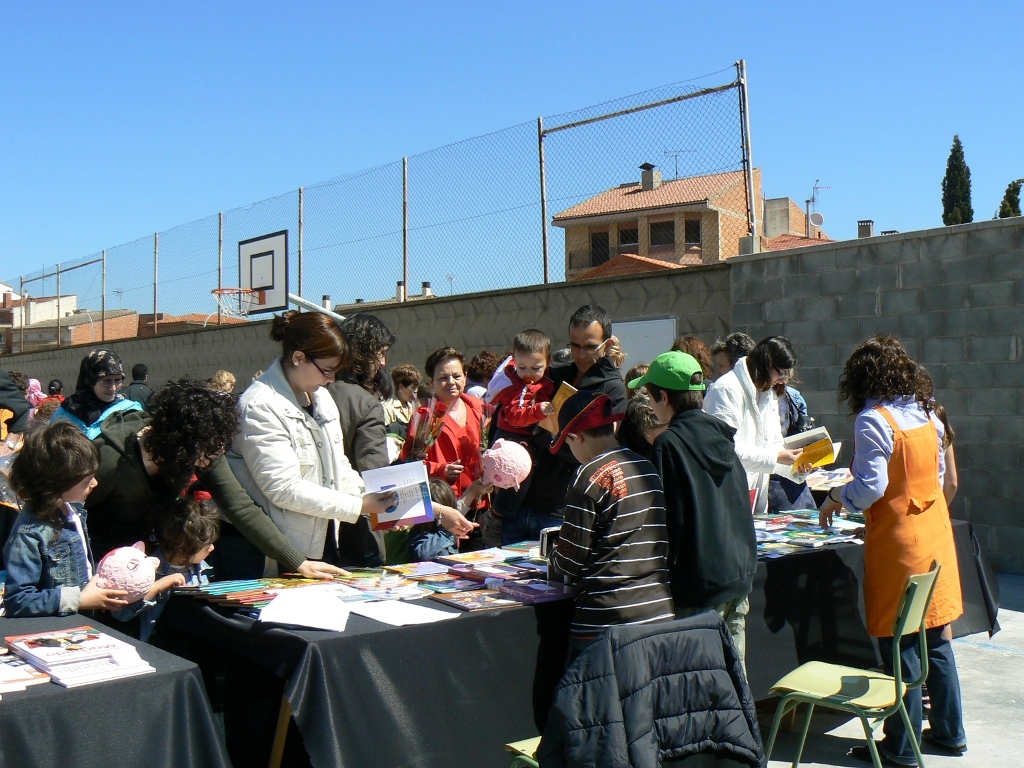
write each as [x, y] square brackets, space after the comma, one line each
[833, 498]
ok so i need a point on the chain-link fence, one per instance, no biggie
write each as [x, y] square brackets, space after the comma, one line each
[480, 214]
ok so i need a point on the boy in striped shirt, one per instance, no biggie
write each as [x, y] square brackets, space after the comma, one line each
[613, 545]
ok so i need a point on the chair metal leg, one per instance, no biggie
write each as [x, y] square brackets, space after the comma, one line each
[869, 735]
[911, 735]
[785, 705]
[284, 717]
[803, 735]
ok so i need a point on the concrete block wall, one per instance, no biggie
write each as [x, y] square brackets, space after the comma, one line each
[955, 298]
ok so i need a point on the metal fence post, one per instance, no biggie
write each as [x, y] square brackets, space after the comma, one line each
[58, 304]
[748, 162]
[220, 259]
[543, 199]
[156, 277]
[300, 242]
[24, 307]
[103, 300]
[405, 228]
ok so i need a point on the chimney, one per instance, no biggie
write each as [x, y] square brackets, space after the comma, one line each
[866, 228]
[426, 290]
[400, 291]
[359, 301]
[325, 301]
[650, 178]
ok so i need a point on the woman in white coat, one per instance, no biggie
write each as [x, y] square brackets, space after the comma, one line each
[745, 400]
[288, 454]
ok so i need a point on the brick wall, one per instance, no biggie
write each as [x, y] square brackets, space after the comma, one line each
[955, 297]
[124, 327]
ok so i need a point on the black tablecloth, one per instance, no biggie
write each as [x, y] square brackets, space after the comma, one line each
[443, 694]
[810, 607]
[157, 720]
[454, 692]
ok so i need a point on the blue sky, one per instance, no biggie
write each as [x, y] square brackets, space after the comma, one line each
[121, 119]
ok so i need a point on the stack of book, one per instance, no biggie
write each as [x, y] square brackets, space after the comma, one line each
[78, 656]
[16, 674]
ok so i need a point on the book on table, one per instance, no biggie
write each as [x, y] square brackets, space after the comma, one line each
[79, 655]
[476, 600]
[531, 591]
[479, 557]
[16, 674]
[412, 485]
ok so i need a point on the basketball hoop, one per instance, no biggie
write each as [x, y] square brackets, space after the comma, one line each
[238, 302]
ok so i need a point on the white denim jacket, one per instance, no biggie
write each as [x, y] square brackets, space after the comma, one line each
[293, 464]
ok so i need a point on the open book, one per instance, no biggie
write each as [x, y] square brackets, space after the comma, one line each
[410, 482]
[818, 451]
[565, 391]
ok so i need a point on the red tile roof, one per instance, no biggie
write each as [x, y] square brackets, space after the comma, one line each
[785, 242]
[694, 189]
[628, 264]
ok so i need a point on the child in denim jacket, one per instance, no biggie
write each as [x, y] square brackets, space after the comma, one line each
[186, 530]
[50, 570]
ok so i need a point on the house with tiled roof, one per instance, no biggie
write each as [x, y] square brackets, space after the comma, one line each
[655, 224]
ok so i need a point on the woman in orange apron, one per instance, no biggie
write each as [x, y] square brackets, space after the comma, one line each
[897, 484]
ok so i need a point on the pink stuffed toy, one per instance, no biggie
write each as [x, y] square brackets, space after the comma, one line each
[506, 464]
[129, 569]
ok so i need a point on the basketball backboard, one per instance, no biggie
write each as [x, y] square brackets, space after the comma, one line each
[263, 266]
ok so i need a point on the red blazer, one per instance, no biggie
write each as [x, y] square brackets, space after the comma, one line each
[457, 443]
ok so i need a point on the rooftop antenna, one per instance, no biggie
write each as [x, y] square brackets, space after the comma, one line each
[812, 203]
[675, 153]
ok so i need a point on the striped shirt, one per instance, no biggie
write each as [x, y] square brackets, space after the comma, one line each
[614, 545]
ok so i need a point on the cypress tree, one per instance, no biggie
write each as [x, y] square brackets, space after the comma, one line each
[956, 188]
[1011, 200]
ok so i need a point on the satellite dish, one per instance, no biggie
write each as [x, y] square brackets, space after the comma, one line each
[817, 219]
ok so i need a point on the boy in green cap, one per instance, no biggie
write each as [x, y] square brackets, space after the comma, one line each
[712, 548]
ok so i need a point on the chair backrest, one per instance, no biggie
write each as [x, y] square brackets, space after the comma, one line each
[910, 618]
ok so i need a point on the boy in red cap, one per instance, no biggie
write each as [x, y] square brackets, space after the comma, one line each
[613, 544]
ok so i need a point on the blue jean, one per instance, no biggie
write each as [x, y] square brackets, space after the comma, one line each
[525, 524]
[946, 714]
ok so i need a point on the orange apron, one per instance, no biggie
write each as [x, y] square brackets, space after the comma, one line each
[906, 530]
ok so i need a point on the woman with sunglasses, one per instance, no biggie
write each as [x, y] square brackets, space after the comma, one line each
[745, 399]
[96, 397]
[289, 454]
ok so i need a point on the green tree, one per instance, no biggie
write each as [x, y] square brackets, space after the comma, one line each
[956, 188]
[1011, 200]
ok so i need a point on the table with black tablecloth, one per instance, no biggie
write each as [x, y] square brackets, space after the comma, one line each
[159, 720]
[452, 693]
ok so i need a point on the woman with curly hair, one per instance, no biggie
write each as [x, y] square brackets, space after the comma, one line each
[897, 485]
[147, 458]
[96, 397]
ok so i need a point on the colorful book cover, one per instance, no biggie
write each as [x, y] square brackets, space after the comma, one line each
[47, 650]
[486, 571]
[531, 591]
[476, 600]
[412, 570]
[479, 557]
[411, 483]
[446, 582]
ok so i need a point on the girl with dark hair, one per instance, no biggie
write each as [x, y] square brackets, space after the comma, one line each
[50, 567]
[289, 455]
[897, 485]
[745, 399]
[96, 396]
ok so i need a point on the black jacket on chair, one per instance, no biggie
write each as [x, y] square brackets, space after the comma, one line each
[645, 695]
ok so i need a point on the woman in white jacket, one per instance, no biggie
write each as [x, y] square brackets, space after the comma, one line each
[288, 453]
[744, 399]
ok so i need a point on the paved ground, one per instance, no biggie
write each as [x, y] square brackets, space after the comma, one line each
[992, 682]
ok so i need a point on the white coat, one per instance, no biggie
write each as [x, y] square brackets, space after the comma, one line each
[755, 417]
[293, 464]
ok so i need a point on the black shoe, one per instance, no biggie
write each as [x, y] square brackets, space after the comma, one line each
[863, 753]
[955, 750]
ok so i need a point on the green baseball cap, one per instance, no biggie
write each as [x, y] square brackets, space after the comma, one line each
[673, 370]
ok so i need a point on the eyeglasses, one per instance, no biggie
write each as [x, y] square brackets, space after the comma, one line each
[325, 372]
[115, 382]
[782, 377]
[588, 348]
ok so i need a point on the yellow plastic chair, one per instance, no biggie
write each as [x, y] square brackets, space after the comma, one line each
[871, 696]
[525, 752]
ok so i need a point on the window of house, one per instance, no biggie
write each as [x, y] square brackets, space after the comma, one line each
[692, 234]
[663, 233]
[629, 239]
[598, 248]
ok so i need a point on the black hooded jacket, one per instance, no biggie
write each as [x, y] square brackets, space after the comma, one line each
[552, 474]
[712, 548]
